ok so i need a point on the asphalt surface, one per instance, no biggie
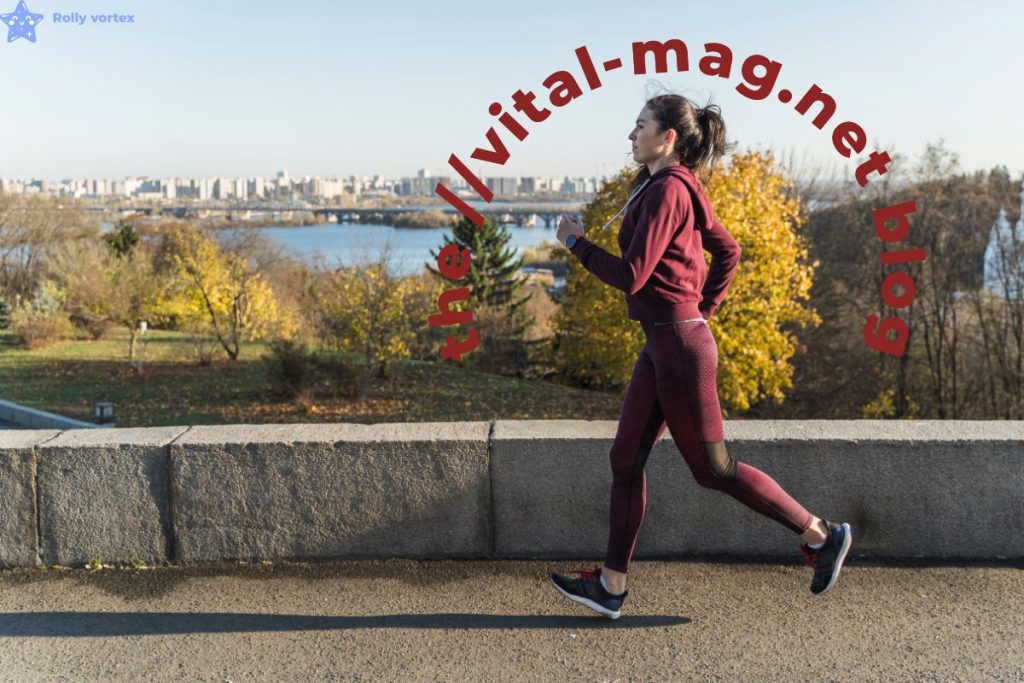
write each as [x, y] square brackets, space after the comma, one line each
[411, 620]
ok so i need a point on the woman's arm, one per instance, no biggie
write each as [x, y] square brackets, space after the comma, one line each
[664, 210]
[725, 258]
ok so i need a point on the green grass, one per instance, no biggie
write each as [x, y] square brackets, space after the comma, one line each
[173, 389]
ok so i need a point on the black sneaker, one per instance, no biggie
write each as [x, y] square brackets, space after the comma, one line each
[828, 559]
[587, 590]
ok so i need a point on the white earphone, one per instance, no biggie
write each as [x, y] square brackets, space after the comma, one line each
[631, 197]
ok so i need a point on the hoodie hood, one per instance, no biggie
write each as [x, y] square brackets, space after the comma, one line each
[702, 206]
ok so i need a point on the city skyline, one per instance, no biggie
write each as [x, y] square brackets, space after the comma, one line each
[420, 173]
[242, 186]
[284, 185]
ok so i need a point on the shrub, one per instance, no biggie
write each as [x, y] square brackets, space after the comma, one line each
[37, 328]
[289, 366]
[501, 350]
[344, 376]
[96, 327]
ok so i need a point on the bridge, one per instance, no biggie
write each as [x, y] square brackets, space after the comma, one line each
[522, 215]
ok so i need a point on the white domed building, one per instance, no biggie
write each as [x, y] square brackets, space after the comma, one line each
[1006, 243]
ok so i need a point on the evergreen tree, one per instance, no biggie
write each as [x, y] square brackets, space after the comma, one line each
[493, 286]
[123, 238]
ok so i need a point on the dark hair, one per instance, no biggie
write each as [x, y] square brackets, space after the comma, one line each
[700, 134]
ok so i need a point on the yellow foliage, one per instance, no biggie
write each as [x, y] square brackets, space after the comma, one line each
[365, 310]
[217, 292]
[597, 344]
[883, 406]
[759, 207]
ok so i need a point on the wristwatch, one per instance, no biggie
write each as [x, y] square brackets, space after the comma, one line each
[570, 241]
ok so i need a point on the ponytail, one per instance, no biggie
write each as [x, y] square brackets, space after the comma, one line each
[712, 145]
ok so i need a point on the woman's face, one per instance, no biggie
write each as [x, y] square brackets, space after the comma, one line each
[648, 144]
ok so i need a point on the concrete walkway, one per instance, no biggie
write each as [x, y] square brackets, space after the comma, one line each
[502, 621]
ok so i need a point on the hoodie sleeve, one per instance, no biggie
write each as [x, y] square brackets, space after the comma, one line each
[725, 258]
[664, 208]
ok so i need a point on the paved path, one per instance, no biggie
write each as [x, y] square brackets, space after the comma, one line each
[407, 620]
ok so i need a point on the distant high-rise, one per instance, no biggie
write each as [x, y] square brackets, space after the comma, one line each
[203, 188]
[223, 188]
[255, 187]
[356, 184]
[503, 185]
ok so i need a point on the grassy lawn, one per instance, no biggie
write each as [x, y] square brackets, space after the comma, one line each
[173, 389]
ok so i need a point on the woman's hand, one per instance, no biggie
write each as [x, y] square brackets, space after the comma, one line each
[568, 225]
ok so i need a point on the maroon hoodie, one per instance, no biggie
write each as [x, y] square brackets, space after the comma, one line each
[662, 238]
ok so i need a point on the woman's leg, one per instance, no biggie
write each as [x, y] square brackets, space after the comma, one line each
[640, 426]
[685, 359]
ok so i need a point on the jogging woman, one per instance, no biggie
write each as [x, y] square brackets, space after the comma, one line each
[668, 222]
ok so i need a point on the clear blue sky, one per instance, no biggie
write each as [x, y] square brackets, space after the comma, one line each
[247, 88]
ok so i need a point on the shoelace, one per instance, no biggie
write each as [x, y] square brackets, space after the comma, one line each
[592, 574]
[809, 556]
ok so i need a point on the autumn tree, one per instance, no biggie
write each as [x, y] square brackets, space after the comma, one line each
[366, 310]
[836, 375]
[218, 293]
[594, 343]
[30, 228]
[955, 315]
[959, 360]
[84, 270]
[107, 281]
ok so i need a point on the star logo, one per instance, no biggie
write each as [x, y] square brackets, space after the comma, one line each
[21, 23]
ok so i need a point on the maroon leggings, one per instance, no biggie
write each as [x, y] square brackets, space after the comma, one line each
[674, 384]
